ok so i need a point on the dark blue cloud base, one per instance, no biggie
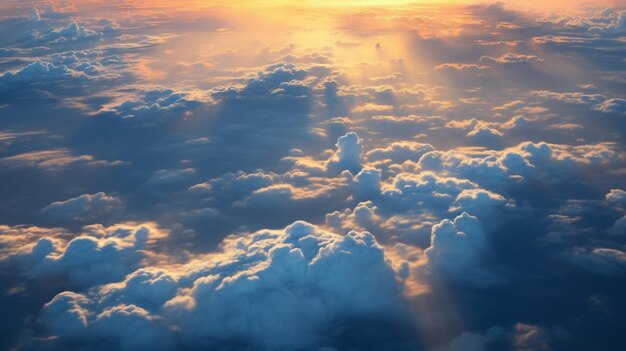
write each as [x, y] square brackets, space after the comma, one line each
[263, 198]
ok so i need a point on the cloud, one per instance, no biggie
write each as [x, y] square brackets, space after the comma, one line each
[19, 239]
[460, 67]
[457, 252]
[518, 337]
[399, 151]
[365, 216]
[368, 183]
[348, 154]
[424, 187]
[155, 106]
[262, 121]
[63, 74]
[234, 185]
[510, 59]
[617, 196]
[604, 261]
[35, 15]
[128, 326]
[272, 289]
[597, 102]
[99, 255]
[527, 160]
[459, 147]
[606, 21]
[469, 341]
[479, 201]
[172, 177]
[530, 338]
[53, 160]
[55, 59]
[74, 32]
[481, 135]
[612, 105]
[36, 72]
[619, 228]
[84, 208]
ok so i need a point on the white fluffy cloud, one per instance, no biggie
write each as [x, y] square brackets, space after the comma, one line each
[616, 196]
[348, 154]
[99, 255]
[125, 327]
[271, 289]
[457, 253]
[528, 160]
[425, 188]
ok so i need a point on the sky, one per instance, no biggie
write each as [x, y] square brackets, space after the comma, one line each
[312, 175]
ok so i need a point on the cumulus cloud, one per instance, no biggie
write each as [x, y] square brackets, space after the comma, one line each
[510, 59]
[272, 289]
[597, 102]
[293, 193]
[548, 162]
[457, 252]
[128, 327]
[348, 154]
[99, 255]
[57, 58]
[368, 182]
[460, 67]
[424, 188]
[484, 136]
[606, 21]
[364, 215]
[616, 196]
[65, 72]
[480, 202]
[15, 239]
[488, 63]
[155, 106]
[84, 208]
[399, 151]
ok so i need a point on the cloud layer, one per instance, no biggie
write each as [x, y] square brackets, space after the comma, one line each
[204, 176]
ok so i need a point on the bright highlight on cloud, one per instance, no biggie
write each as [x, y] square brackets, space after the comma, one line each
[271, 289]
[273, 175]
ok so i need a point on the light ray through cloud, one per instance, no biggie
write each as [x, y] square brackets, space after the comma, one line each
[312, 175]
